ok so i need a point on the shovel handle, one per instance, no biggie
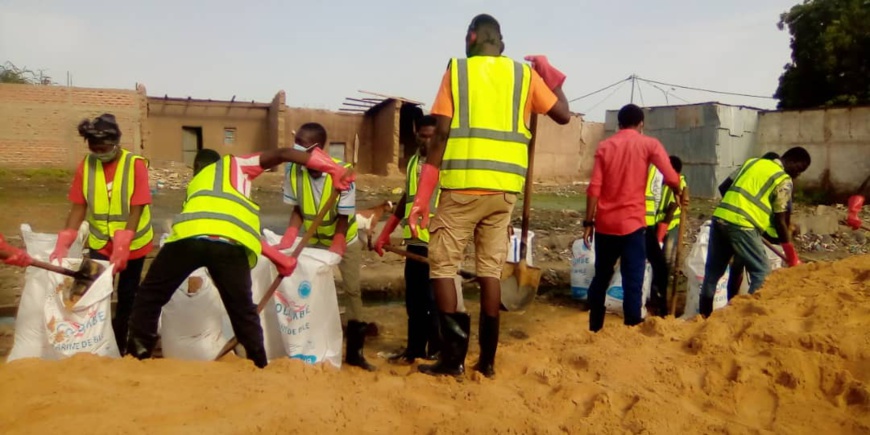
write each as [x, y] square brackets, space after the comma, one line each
[527, 191]
[43, 265]
[774, 249]
[684, 213]
[309, 233]
[416, 257]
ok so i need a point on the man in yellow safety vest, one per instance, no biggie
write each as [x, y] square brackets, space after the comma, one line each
[670, 212]
[110, 189]
[307, 191]
[483, 108]
[219, 229]
[760, 194]
[419, 297]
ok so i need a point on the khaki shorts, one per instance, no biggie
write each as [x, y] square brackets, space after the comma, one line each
[458, 218]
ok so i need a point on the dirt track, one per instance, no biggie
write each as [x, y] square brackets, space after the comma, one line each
[794, 358]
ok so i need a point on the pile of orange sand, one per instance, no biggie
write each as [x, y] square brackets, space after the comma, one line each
[794, 358]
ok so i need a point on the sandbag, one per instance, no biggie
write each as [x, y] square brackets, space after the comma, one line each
[615, 293]
[86, 326]
[306, 305]
[31, 340]
[694, 271]
[514, 246]
[582, 269]
[192, 325]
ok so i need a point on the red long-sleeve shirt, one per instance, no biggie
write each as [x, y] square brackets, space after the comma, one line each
[619, 180]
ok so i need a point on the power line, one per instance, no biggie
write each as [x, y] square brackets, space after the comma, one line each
[639, 91]
[736, 94]
[600, 90]
[621, 83]
[667, 94]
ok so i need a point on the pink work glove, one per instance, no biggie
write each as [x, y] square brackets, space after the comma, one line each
[661, 232]
[65, 239]
[14, 256]
[339, 245]
[425, 189]
[320, 161]
[288, 239]
[284, 263]
[121, 249]
[552, 77]
[791, 256]
[855, 204]
[384, 238]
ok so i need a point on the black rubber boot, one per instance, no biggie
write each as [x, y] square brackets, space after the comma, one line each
[433, 337]
[356, 335]
[455, 329]
[488, 339]
[140, 346]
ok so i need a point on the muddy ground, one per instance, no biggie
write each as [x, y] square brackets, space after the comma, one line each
[39, 198]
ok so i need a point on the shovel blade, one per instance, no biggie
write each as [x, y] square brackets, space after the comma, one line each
[85, 277]
[519, 285]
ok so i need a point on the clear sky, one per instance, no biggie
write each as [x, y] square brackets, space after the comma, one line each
[322, 51]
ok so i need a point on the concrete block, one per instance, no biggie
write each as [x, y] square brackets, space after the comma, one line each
[859, 124]
[768, 129]
[689, 117]
[823, 220]
[789, 130]
[731, 119]
[750, 120]
[811, 125]
[659, 118]
[724, 147]
[611, 123]
[711, 115]
[837, 125]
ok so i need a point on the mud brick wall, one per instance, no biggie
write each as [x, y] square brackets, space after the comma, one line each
[38, 123]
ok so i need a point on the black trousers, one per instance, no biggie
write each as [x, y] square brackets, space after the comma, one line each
[420, 306]
[128, 285]
[656, 257]
[228, 266]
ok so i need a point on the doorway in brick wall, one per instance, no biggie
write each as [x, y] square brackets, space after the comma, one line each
[191, 143]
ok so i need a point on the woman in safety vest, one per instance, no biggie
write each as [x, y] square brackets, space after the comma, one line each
[110, 189]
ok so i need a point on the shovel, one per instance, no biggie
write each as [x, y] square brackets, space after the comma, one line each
[679, 253]
[330, 203]
[82, 278]
[519, 281]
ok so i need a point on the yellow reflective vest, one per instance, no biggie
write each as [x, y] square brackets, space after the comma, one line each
[215, 208]
[669, 198]
[105, 215]
[300, 183]
[650, 197]
[747, 201]
[412, 178]
[488, 144]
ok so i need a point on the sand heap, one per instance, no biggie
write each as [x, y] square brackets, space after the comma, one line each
[794, 359]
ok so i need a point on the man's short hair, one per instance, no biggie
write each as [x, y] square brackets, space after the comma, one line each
[426, 121]
[797, 155]
[484, 21]
[316, 129]
[630, 116]
[677, 164]
[770, 155]
[204, 158]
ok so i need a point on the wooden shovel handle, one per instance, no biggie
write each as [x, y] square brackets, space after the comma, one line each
[527, 191]
[312, 229]
[416, 257]
[42, 265]
[679, 250]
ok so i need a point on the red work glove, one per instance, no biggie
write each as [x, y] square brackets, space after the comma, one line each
[15, 256]
[791, 256]
[552, 77]
[284, 263]
[320, 161]
[65, 239]
[384, 238]
[661, 232]
[121, 249]
[855, 204]
[288, 239]
[425, 189]
[339, 245]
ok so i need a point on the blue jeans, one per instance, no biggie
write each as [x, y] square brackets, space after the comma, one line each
[631, 249]
[726, 241]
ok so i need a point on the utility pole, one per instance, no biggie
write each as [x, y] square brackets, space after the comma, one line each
[633, 80]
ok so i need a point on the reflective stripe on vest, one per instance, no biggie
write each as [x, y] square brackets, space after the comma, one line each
[299, 176]
[106, 215]
[413, 176]
[747, 201]
[669, 198]
[215, 208]
[650, 198]
[488, 143]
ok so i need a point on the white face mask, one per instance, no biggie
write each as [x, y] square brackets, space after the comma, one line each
[298, 147]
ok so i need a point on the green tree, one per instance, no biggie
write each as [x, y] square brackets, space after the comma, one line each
[9, 73]
[830, 60]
